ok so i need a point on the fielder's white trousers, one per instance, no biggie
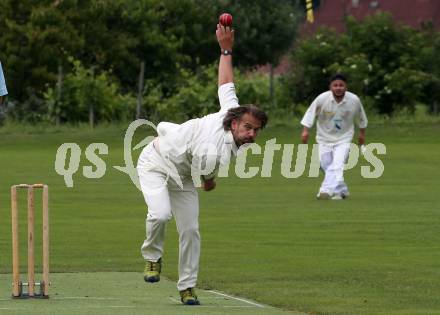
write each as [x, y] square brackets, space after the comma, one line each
[332, 159]
[166, 199]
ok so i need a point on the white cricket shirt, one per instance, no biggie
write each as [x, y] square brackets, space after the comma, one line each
[203, 138]
[335, 121]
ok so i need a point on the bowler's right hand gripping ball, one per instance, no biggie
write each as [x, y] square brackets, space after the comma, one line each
[225, 19]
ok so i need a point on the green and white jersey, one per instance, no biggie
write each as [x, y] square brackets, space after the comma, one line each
[335, 121]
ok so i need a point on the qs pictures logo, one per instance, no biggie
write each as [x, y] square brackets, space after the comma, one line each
[68, 156]
[293, 163]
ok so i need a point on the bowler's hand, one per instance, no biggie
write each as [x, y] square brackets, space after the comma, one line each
[361, 136]
[209, 184]
[225, 37]
[305, 136]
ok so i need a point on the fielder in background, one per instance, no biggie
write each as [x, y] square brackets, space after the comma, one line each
[182, 153]
[3, 90]
[336, 111]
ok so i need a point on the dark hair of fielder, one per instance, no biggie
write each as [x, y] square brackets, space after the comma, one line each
[338, 76]
[236, 113]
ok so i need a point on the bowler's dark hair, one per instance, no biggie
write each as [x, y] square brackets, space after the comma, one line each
[236, 113]
[338, 76]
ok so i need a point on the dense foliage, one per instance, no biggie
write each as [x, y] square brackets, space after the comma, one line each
[79, 60]
[392, 67]
[175, 39]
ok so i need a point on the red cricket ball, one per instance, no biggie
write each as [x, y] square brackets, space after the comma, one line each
[225, 19]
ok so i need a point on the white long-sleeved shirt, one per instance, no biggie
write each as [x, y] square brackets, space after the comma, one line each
[335, 121]
[202, 138]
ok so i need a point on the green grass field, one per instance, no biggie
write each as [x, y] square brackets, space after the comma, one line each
[263, 239]
[116, 293]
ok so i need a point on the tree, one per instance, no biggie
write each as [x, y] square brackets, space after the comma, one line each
[311, 59]
[33, 35]
[265, 29]
[88, 96]
[381, 59]
[428, 45]
[36, 37]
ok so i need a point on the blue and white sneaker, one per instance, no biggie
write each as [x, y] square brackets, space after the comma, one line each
[341, 196]
[337, 197]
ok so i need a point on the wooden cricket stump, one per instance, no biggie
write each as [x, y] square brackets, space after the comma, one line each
[18, 287]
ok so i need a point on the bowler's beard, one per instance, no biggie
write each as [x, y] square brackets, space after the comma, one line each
[240, 142]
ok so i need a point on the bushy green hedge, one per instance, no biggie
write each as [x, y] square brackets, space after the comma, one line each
[390, 66]
[195, 94]
[86, 93]
[114, 37]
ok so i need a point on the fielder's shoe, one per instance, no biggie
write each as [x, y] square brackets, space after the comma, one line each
[345, 194]
[189, 297]
[340, 196]
[152, 271]
[323, 195]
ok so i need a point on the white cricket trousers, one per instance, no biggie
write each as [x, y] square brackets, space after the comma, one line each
[332, 159]
[166, 199]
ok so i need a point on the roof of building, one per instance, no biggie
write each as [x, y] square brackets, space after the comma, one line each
[332, 13]
[413, 13]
